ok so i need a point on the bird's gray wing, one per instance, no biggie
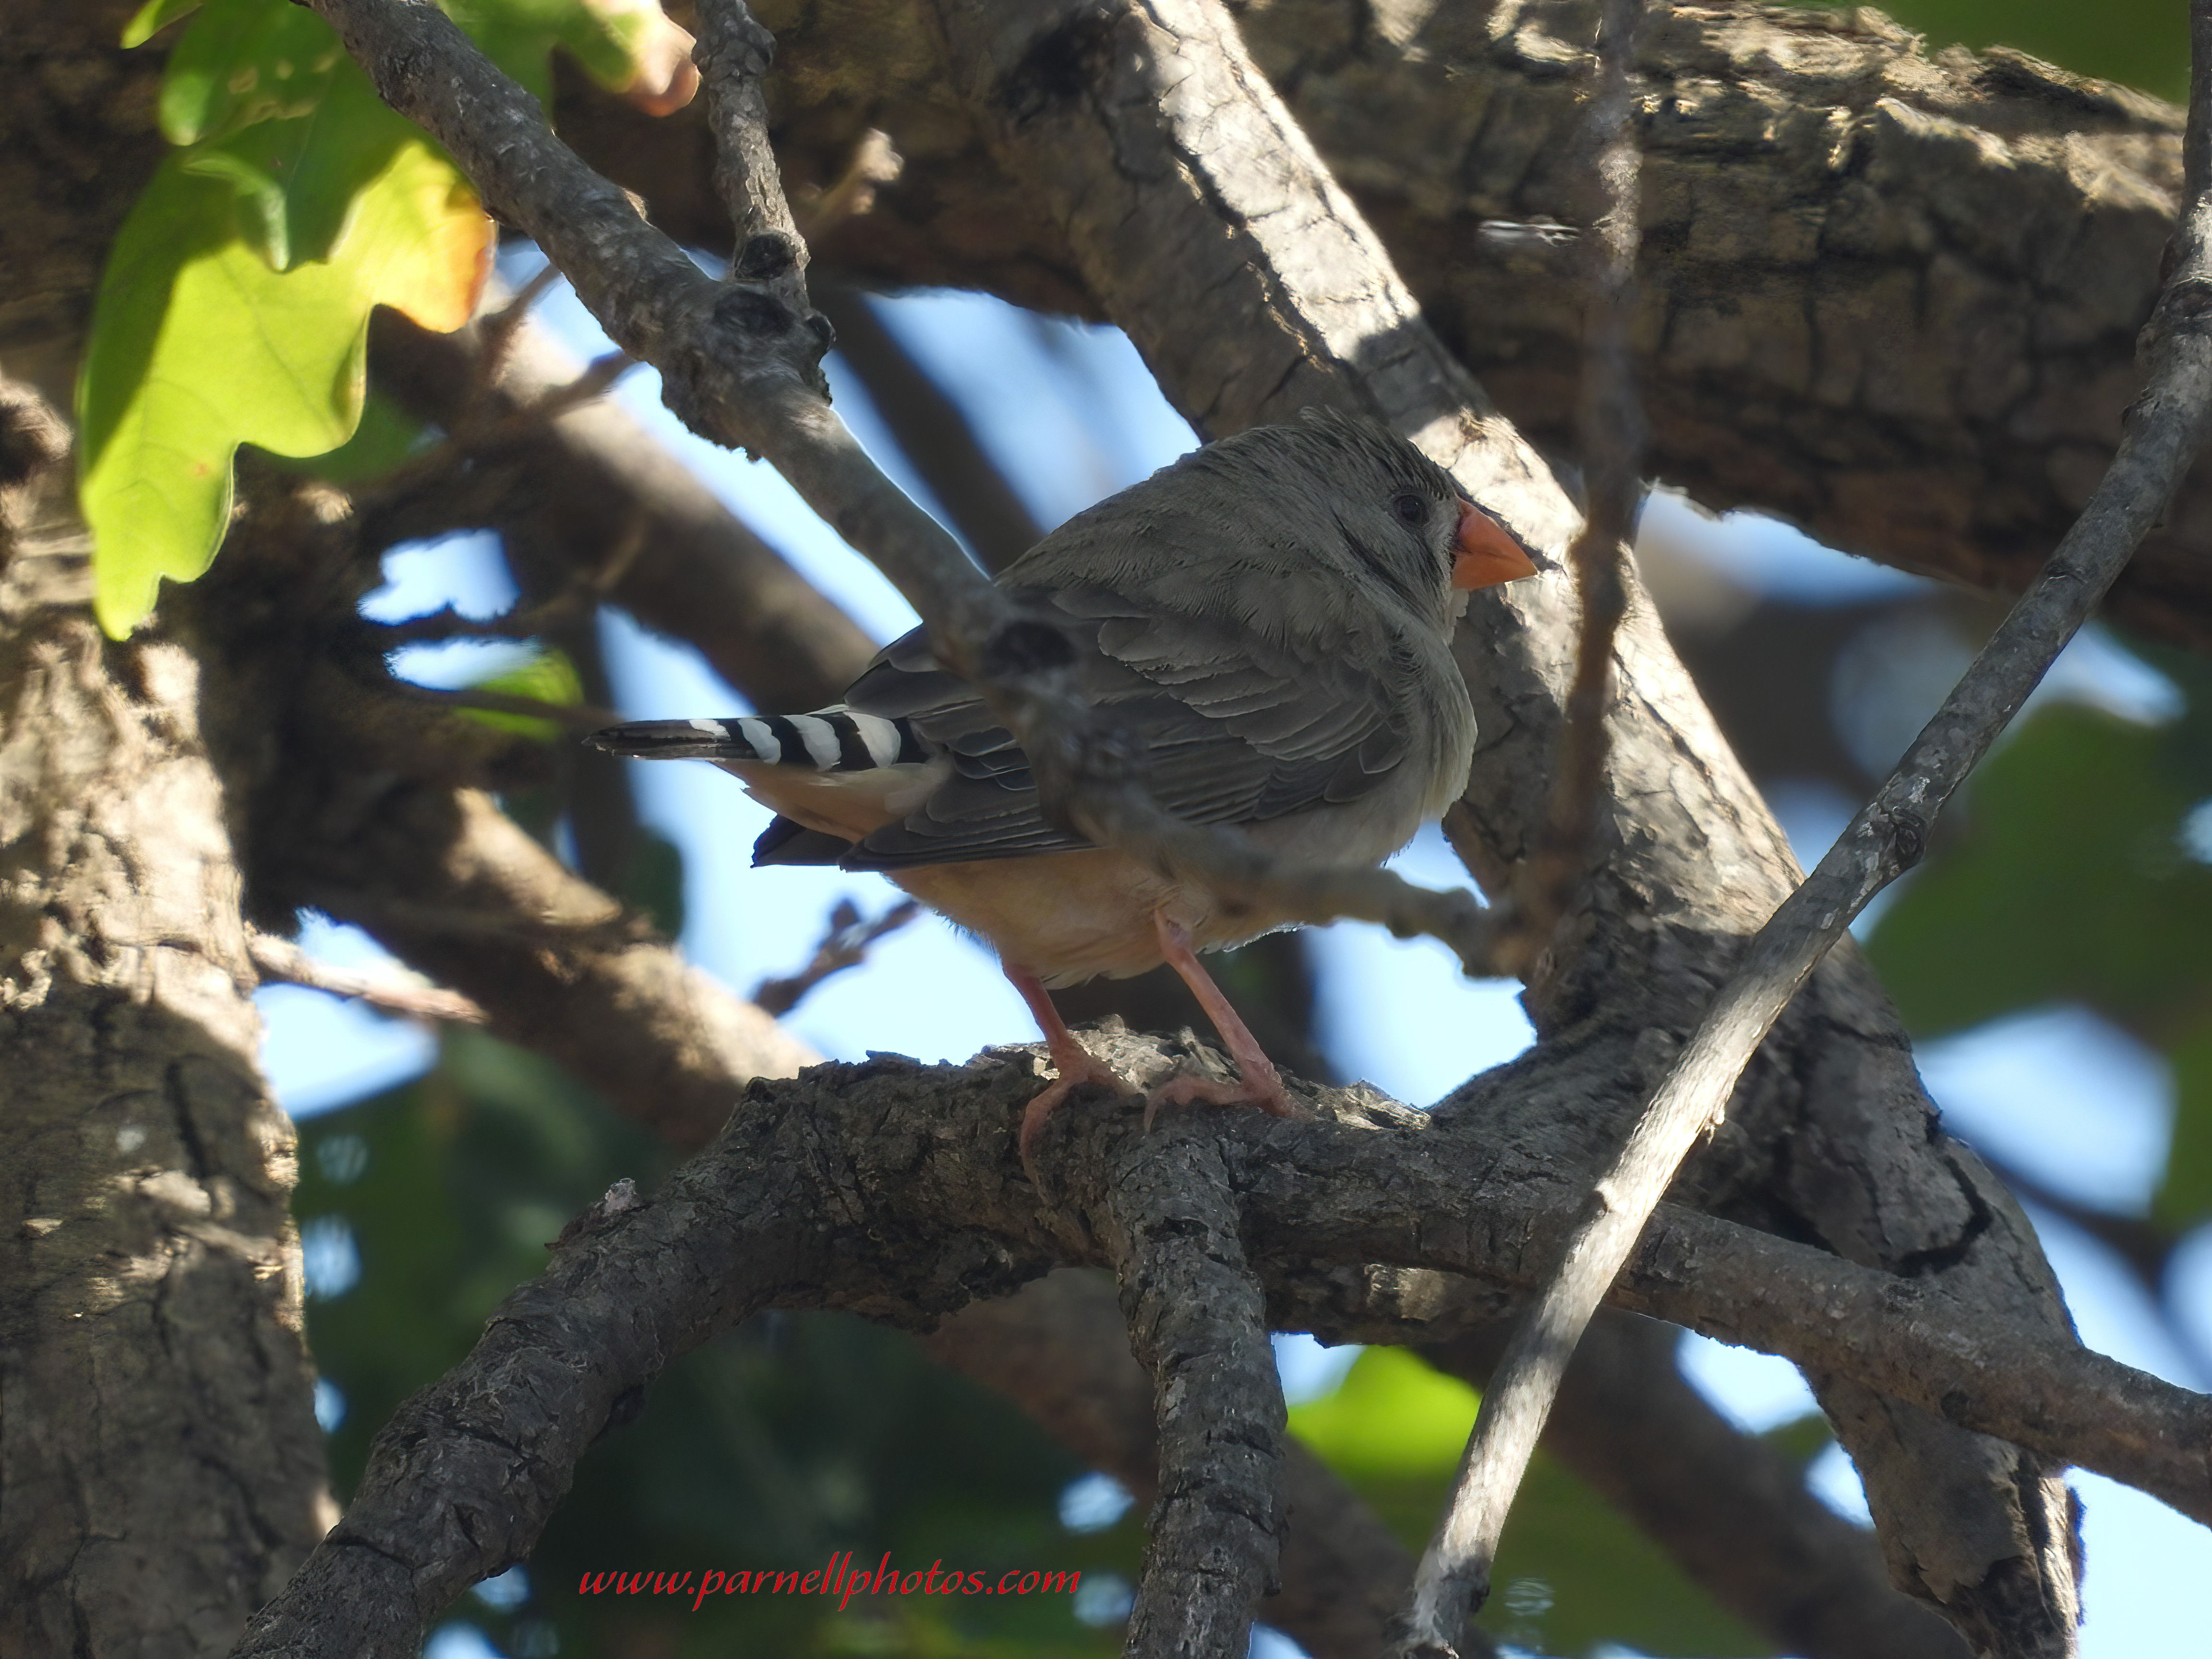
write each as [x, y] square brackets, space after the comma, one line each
[1239, 730]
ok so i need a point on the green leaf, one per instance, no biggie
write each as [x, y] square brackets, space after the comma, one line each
[297, 179]
[245, 61]
[2184, 1197]
[1573, 1576]
[235, 304]
[384, 438]
[154, 16]
[602, 35]
[2070, 884]
[547, 676]
[197, 346]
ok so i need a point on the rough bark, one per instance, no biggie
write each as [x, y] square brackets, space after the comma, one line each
[1890, 296]
[891, 1189]
[1695, 861]
[161, 1469]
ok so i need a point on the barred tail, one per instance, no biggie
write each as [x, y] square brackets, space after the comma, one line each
[833, 739]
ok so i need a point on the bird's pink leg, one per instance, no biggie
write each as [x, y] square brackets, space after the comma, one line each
[1259, 1083]
[1076, 1064]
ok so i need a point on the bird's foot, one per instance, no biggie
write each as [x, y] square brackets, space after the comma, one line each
[1076, 1069]
[1266, 1092]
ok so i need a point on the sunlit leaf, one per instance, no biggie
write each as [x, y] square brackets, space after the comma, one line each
[241, 62]
[385, 437]
[154, 16]
[198, 345]
[235, 303]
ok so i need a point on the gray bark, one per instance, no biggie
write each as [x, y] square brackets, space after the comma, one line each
[161, 1469]
[1890, 296]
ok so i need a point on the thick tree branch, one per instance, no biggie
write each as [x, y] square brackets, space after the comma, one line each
[813, 1194]
[1888, 293]
[1198, 1324]
[158, 1447]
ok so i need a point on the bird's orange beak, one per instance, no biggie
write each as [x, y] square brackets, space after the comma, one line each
[1488, 552]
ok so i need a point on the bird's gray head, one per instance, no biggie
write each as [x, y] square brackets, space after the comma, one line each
[1303, 529]
[1351, 493]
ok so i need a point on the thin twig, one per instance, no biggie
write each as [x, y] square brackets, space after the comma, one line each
[495, 334]
[2165, 428]
[1453, 1581]
[599, 377]
[844, 946]
[874, 164]
[739, 363]
[282, 961]
[586, 585]
[1612, 434]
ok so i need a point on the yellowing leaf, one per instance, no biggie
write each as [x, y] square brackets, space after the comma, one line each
[198, 346]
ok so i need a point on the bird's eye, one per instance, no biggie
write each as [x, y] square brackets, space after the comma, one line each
[1410, 507]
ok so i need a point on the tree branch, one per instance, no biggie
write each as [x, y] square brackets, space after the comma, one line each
[449, 883]
[1611, 428]
[813, 1194]
[1871, 303]
[1168, 1217]
[281, 960]
[1060, 1349]
[2168, 429]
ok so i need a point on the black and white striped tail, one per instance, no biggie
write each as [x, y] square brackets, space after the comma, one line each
[834, 739]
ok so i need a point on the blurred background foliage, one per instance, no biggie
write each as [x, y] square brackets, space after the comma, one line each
[2075, 874]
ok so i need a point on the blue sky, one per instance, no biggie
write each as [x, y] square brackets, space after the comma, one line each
[1072, 414]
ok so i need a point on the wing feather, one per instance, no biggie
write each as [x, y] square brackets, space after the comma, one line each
[1239, 732]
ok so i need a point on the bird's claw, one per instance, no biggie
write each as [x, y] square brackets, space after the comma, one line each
[1074, 1074]
[1269, 1095]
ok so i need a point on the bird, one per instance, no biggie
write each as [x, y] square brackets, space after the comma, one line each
[1272, 612]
